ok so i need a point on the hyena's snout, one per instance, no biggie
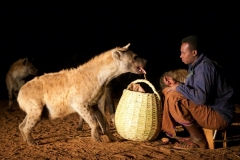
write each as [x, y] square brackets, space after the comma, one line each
[140, 65]
[33, 70]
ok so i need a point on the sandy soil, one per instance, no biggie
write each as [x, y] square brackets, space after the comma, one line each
[59, 139]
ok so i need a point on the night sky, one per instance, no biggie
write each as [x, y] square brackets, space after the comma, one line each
[63, 35]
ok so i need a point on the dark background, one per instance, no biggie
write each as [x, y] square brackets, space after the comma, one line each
[60, 35]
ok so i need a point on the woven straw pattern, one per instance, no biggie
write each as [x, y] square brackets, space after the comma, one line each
[138, 115]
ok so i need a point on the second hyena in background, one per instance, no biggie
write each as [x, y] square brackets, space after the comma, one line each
[16, 78]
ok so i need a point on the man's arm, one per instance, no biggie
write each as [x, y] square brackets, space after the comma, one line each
[199, 86]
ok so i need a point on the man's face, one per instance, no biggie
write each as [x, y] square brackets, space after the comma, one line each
[187, 56]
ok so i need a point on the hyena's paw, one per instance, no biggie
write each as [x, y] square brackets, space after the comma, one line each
[24, 139]
[32, 143]
[96, 139]
[112, 138]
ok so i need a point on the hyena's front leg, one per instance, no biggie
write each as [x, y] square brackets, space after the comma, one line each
[98, 108]
[110, 103]
[87, 114]
[27, 125]
[10, 100]
[104, 125]
[100, 121]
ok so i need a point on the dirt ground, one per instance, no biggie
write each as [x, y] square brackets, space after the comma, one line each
[59, 139]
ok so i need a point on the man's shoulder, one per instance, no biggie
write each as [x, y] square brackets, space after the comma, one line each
[209, 63]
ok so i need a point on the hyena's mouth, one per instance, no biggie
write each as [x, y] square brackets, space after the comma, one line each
[140, 69]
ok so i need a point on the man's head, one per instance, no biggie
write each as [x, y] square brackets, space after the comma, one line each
[169, 81]
[172, 77]
[190, 49]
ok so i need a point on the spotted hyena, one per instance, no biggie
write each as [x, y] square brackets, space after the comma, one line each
[75, 90]
[16, 77]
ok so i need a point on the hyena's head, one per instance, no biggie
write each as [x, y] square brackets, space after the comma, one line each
[27, 67]
[128, 60]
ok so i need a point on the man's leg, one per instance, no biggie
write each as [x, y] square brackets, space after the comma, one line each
[196, 139]
[182, 115]
[206, 117]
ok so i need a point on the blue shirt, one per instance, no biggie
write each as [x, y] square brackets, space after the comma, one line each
[205, 85]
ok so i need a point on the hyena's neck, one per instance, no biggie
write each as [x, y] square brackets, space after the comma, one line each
[102, 67]
[18, 76]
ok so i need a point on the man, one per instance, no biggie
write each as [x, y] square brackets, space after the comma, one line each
[205, 99]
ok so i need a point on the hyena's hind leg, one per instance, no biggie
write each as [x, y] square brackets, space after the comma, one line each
[21, 126]
[29, 122]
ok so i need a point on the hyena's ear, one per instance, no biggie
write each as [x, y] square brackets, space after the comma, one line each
[127, 46]
[25, 60]
[116, 54]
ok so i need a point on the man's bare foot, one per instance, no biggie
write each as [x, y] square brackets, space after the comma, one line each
[188, 144]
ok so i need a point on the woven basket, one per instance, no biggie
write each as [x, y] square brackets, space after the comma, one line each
[138, 115]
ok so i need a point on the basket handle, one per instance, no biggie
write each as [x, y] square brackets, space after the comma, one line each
[147, 82]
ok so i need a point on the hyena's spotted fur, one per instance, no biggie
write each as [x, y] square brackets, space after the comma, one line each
[75, 90]
[15, 78]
